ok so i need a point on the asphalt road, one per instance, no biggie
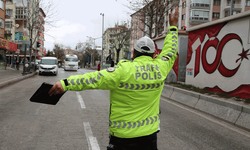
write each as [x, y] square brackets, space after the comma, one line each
[80, 122]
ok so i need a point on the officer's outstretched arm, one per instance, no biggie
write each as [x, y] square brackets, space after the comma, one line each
[170, 46]
[106, 79]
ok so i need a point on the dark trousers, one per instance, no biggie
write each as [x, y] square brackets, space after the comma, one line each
[140, 143]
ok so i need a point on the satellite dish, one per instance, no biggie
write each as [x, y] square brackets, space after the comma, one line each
[17, 25]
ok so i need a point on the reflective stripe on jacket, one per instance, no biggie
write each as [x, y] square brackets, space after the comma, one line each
[135, 89]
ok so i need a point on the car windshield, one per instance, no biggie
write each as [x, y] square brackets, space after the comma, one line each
[48, 61]
[72, 59]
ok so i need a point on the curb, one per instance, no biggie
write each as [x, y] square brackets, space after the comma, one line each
[4, 84]
[236, 114]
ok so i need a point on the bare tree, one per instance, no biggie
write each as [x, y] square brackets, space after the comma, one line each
[86, 49]
[120, 39]
[37, 13]
[58, 51]
[149, 15]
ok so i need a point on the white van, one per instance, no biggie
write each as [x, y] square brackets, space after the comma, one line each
[71, 62]
[48, 65]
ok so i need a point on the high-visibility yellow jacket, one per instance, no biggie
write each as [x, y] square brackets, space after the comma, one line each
[135, 89]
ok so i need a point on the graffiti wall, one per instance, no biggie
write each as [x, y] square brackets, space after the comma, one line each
[218, 58]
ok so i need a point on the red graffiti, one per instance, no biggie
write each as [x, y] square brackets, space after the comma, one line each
[213, 31]
[242, 91]
[217, 63]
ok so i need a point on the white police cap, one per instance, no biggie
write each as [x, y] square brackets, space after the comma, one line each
[145, 44]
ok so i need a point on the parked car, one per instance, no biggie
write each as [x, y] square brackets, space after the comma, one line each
[37, 63]
[48, 65]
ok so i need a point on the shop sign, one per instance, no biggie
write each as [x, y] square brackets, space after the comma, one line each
[4, 44]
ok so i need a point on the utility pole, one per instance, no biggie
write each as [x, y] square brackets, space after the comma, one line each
[91, 38]
[102, 14]
[231, 8]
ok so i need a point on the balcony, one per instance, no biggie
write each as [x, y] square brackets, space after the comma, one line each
[198, 19]
[7, 16]
[200, 4]
[7, 32]
[21, 17]
[236, 7]
[9, 1]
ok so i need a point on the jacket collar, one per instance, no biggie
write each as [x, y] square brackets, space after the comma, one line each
[142, 58]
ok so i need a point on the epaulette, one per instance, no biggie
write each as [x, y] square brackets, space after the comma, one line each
[123, 61]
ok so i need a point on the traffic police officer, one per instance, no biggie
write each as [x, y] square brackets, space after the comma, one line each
[135, 91]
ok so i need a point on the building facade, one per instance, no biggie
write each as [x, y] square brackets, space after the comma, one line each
[2, 18]
[6, 47]
[25, 21]
[136, 26]
[195, 12]
[110, 43]
[41, 51]
[191, 13]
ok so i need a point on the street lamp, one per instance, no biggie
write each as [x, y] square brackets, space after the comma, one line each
[93, 39]
[102, 14]
[92, 58]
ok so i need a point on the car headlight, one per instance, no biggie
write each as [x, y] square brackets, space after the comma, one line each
[54, 67]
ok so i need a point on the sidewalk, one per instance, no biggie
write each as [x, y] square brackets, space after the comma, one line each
[11, 75]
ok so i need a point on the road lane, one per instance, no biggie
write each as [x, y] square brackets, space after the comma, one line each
[27, 125]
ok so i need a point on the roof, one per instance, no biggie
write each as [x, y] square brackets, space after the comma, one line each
[226, 19]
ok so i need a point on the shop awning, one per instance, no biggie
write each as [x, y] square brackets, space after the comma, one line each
[5, 44]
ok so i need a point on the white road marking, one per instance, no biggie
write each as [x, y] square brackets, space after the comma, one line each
[92, 141]
[222, 123]
[80, 100]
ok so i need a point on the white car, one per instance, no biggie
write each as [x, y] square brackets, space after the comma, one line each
[48, 65]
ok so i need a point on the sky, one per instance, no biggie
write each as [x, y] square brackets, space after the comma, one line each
[77, 19]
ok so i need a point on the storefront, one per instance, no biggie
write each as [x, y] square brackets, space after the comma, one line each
[6, 47]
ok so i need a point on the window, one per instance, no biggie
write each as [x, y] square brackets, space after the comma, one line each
[216, 2]
[8, 24]
[216, 15]
[9, 2]
[25, 25]
[1, 23]
[184, 4]
[199, 15]
[247, 2]
[9, 12]
[236, 12]
[183, 17]
[201, 1]
[2, 4]
[21, 13]
[227, 13]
